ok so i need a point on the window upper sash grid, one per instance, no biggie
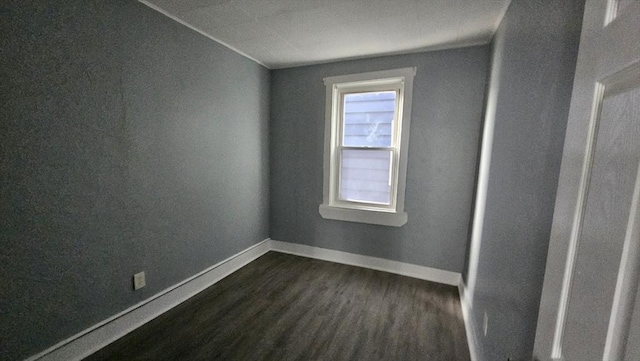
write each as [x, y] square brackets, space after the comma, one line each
[372, 118]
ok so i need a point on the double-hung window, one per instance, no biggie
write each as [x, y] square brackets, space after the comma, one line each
[366, 141]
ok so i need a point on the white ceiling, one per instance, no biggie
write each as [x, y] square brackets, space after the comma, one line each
[286, 33]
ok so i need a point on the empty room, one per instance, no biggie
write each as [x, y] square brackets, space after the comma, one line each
[320, 180]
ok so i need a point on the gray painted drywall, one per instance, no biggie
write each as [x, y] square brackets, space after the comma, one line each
[445, 124]
[534, 54]
[129, 143]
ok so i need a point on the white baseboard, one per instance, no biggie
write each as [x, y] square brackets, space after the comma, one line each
[380, 264]
[468, 321]
[100, 335]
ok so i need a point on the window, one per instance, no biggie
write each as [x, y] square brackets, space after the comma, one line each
[366, 143]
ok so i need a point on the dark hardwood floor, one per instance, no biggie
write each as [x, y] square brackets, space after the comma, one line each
[284, 307]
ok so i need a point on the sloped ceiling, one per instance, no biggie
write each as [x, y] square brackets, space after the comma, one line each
[286, 33]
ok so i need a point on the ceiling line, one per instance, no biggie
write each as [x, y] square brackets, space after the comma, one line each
[499, 19]
[175, 18]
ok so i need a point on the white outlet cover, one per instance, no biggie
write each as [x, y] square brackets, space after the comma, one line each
[139, 281]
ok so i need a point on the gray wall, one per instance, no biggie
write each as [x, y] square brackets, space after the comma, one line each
[534, 54]
[128, 143]
[445, 125]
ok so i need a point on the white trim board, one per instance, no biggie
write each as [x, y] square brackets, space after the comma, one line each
[466, 306]
[100, 335]
[380, 264]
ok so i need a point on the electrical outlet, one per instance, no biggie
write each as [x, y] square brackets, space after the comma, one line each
[139, 281]
[486, 323]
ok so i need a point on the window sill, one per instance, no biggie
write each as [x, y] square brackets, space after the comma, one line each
[393, 219]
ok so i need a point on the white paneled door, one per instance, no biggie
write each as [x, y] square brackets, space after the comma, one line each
[590, 308]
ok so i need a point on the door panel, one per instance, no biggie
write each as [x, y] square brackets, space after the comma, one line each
[633, 342]
[588, 309]
[604, 227]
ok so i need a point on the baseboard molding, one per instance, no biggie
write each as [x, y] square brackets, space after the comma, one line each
[468, 321]
[100, 335]
[380, 264]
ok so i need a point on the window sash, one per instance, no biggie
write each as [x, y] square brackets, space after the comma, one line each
[341, 90]
[338, 119]
[342, 136]
[390, 175]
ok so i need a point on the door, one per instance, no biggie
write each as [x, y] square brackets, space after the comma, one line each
[590, 307]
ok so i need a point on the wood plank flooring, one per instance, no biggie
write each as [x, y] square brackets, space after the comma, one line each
[284, 307]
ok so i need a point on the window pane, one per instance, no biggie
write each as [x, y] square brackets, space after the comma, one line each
[368, 119]
[365, 175]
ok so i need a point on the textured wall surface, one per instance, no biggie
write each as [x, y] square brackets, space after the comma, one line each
[128, 142]
[447, 111]
[534, 54]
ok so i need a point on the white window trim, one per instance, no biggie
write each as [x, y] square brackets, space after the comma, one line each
[331, 207]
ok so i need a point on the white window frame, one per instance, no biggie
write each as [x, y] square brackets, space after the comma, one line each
[399, 80]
